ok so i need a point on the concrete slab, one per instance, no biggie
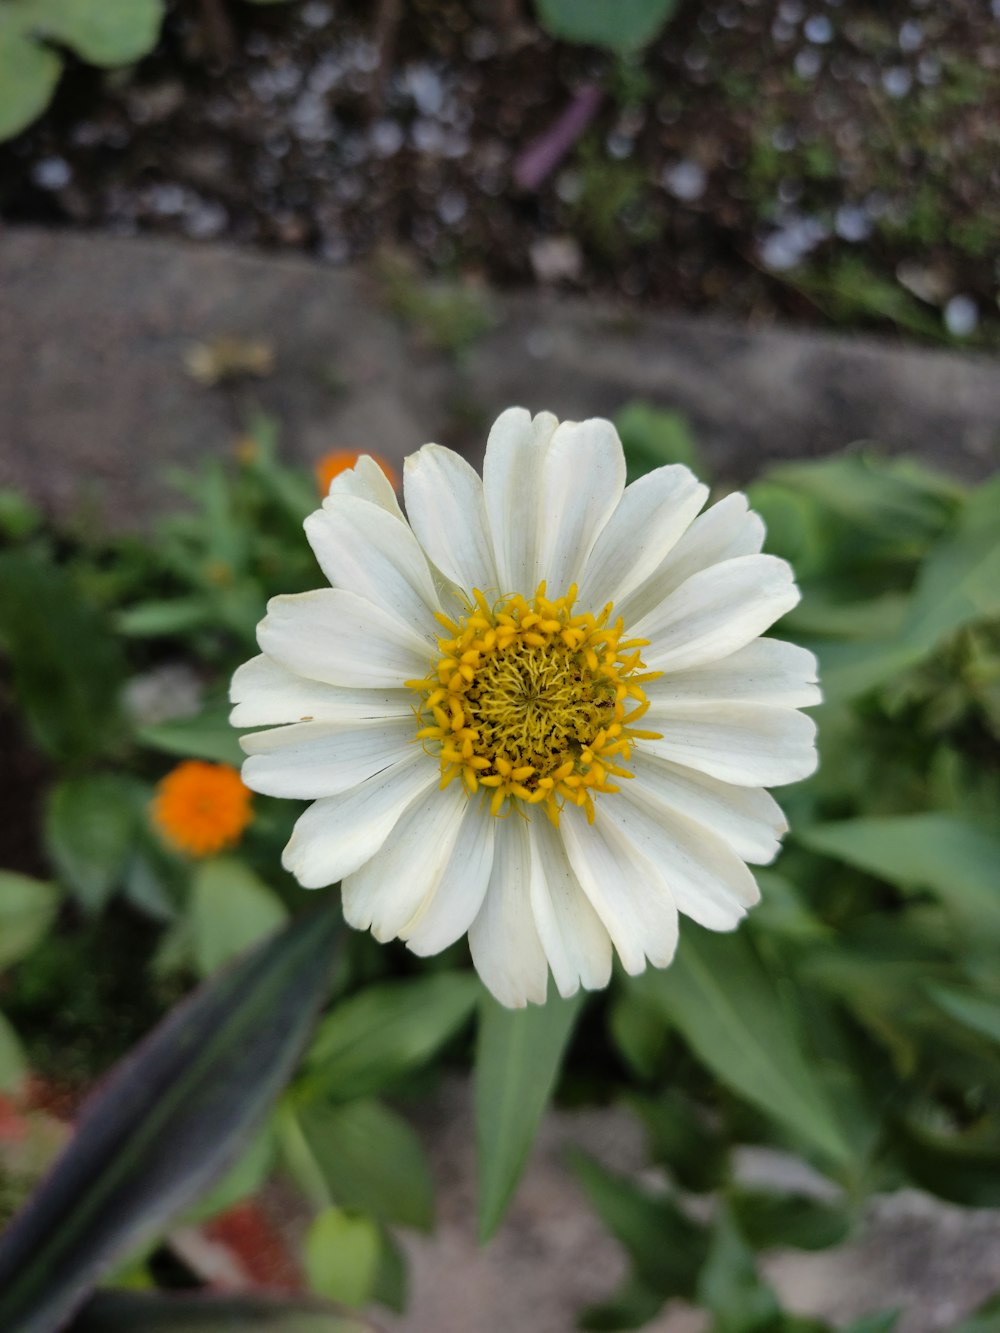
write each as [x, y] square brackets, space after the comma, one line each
[95, 397]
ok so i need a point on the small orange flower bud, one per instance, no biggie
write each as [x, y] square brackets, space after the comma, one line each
[340, 460]
[201, 808]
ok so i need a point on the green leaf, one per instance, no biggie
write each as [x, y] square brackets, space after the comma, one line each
[231, 908]
[944, 853]
[771, 1220]
[67, 667]
[13, 1062]
[342, 1256]
[976, 1012]
[639, 1033]
[376, 1036]
[165, 1124]
[518, 1055]
[633, 1305]
[618, 25]
[721, 998]
[185, 1312]
[90, 826]
[365, 1156]
[681, 1140]
[652, 438]
[985, 1320]
[665, 1247]
[207, 736]
[176, 615]
[30, 75]
[964, 1168]
[730, 1287]
[27, 910]
[115, 32]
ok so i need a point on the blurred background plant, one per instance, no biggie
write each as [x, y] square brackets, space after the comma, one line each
[853, 1023]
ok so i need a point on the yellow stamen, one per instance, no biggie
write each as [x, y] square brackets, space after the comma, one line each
[527, 701]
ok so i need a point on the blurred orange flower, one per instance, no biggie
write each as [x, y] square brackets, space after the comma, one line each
[339, 460]
[201, 808]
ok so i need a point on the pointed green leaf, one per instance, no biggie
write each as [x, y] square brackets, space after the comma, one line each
[342, 1256]
[942, 852]
[207, 736]
[976, 1012]
[165, 1124]
[518, 1056]
[769, 1220]
[231, 908]
[90, 826]
[719, 995]
[376, 1036]
[27, 909]
[13, 1064]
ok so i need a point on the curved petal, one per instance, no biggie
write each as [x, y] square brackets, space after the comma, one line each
[337, 637]
[582, 480]
[363, 549]
[653, 514]
[445, 504]
[386, 893]
[311, 759]
[512, 470]
[367, 481]
[749, 819]
[627, 890]
[447, 913]
[717, 611]
[766, 671]
[727, 530]
[750, 745]
[708, 881]
[575, 942]
[503, 938]
[265, 694]
[338, 834]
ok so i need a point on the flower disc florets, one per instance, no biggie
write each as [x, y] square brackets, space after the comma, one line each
[534, 702]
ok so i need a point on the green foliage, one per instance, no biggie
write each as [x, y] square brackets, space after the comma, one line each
[231, 908]
[90, 827]
[342, 1255]
[617, 25]
[33, 32]
[654, 437]
[27, 910]
[166, 1124]
[518, 1057]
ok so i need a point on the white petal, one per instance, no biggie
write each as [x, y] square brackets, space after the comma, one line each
[362, 548]
[265, 694]
[582, 480]
[717, 611]
[749, 819]
[766, 671]
[628, 892]
[447, 913]
[311, 759]
[503, 939]
[575, 942]
[386, 893]
[653, 514]
[445, 504]
[367, 481]
[511, 484]
[708, 881]
[338, 637]
[750, 745]
[727, 530]
[339, 834]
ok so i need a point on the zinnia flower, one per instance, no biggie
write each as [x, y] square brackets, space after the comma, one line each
[539, 711]
[202, 808]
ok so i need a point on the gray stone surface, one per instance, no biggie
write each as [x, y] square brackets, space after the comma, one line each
[95, 399]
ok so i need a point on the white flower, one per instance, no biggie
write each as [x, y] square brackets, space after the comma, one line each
[539, 711]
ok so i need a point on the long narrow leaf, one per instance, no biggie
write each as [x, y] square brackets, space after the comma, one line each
[517, 1062]
[165, 1124]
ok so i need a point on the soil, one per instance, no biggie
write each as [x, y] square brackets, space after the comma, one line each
[810, 160]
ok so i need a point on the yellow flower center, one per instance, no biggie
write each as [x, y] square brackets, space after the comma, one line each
[533, 702]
